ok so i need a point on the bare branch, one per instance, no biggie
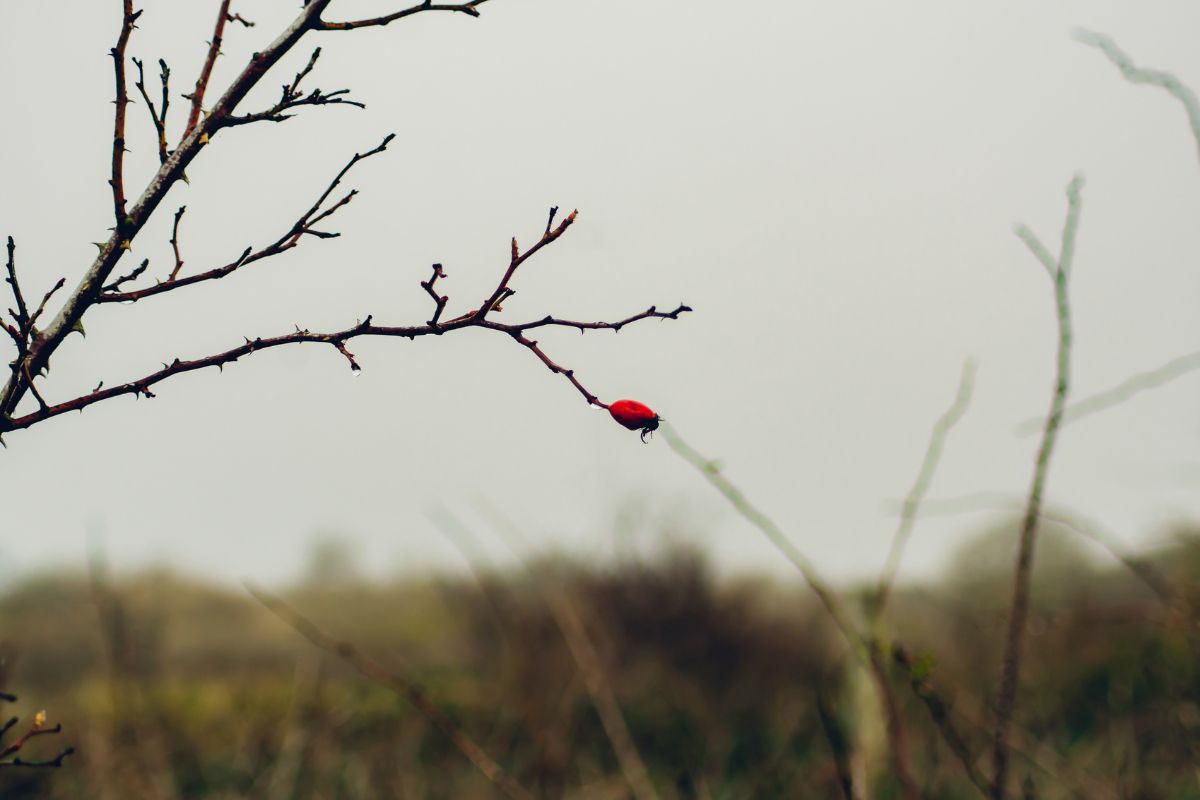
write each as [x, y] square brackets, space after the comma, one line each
[113, 249]
[115, 286]
[214, 49]
[518, 258]
[1148, 77]
[303, 225]
[464, 8]
[117, 180]
[335, 339]
[291, 97]
[1011, 665]
[651, 312]
[868, 653]
[555, 368]
[400, 684]
[42, 305]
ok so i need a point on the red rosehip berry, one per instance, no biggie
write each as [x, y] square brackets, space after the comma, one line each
[635, 416]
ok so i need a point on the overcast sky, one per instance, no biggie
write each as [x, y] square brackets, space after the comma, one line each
[832, 187]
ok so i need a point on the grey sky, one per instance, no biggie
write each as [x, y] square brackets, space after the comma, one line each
[832, 186]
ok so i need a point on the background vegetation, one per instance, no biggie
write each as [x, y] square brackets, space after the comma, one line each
[730, 688]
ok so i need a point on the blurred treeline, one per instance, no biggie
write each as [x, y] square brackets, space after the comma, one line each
[730, 687]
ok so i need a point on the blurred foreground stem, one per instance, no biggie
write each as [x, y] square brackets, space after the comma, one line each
[868, 653]
[1060, 273]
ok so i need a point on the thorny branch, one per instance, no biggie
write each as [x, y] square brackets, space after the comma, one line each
[1011, 665]
[8, 752]
[291, 97]
[214, 49]
[337, 340]
[118, 147]
[132, 218]
[175, 244]
[304, 225]
[428, 5]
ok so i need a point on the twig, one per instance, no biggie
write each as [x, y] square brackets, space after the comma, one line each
[33, 318]
[464, 8]
[336, 339]
[21, 313]
[1011, 664]
[159, 119]
[175, 244]
[214, 49]
[115, 286]
[400, 684]
[117, 180]
[439, 300]
[1149, 77]
[518, 258]
[131, 219]
[912, 503]
[291, 97]
[111, 251]
[303, 225]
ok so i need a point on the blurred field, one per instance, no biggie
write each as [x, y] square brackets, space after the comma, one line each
[730, 688]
